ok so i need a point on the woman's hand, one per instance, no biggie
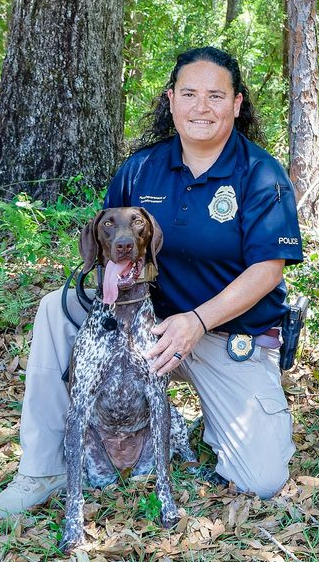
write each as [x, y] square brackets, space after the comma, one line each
[179, 334]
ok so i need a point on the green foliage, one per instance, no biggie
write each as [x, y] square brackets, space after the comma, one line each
[38, 244]
[5, 11]
[29, 229]
[303, 279]
[13, 305]
[150, 506]
[255, 39]
[21, 221]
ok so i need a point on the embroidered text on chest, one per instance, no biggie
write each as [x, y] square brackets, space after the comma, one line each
[151, 199]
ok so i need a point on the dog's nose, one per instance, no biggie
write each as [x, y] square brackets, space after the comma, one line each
[124, 245]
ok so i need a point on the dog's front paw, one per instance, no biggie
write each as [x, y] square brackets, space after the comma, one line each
[169, 516]
[71, 541]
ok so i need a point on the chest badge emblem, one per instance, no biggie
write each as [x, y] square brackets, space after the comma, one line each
[223, 206]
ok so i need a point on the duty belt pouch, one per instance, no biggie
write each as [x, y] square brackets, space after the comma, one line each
[292, 324]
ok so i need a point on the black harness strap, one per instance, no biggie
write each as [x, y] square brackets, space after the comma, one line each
[65, 376]
[64, 296]
[83, 299]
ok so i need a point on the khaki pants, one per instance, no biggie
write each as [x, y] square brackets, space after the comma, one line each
[247, 422]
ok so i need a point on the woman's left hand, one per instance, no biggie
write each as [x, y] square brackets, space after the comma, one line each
[179, 334]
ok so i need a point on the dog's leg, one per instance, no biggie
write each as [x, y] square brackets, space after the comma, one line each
[74, 447]
[179, 437]
[160, 429]
[82, 401]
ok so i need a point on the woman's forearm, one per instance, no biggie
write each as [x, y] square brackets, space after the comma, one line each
[180, 332]
[242, 294]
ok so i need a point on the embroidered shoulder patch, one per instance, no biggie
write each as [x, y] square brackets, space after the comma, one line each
[223, 206]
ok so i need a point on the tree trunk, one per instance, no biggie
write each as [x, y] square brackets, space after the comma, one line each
[303, 112]
[285, 66]
[60, 101]
[233, 10]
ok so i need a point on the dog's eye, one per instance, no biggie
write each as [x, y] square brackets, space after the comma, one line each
[138, 222]
[108, 223]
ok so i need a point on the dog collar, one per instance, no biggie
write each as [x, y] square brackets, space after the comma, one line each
[118, 303]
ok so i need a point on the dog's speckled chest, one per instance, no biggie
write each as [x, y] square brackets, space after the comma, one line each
[116, 359]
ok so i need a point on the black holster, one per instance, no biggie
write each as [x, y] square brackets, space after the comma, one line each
[292, 325]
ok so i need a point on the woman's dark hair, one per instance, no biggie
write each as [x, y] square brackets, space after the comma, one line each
[159, 124]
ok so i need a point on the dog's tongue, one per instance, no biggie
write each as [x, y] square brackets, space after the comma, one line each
[112, 270]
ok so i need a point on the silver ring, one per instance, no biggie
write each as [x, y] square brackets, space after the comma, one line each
[177, 355]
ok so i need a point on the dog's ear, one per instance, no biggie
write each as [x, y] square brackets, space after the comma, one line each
[88, 243]
[157, 235]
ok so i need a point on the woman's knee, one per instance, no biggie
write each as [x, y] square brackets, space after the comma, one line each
[268, 484]
[52, 299]
[52, 308]
[260, 466]
[264, 479]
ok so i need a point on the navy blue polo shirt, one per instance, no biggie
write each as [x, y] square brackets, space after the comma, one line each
[239, 212]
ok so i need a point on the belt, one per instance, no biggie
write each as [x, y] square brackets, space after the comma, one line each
[271, 338]
[273, 333]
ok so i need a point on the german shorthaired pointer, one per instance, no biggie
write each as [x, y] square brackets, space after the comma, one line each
[119, 415]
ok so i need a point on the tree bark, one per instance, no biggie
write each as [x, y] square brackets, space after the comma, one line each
[233, 10]
[60, 101]
[303, 111]
[285, 66]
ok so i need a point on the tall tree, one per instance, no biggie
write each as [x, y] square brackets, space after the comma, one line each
[285, 65]
[60, 100]
[303, 112]
[233, 10]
